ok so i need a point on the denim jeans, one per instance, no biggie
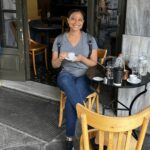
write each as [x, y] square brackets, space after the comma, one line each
[76, 89]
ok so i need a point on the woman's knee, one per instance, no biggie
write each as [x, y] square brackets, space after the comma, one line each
[64, 78]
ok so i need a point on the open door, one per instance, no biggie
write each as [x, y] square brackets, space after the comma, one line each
[14, 57]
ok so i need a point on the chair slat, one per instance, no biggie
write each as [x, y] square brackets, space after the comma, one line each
[128, 140]
[85, 131]
[101, 140]
[142, 133]
[120, 139]
[110, 141]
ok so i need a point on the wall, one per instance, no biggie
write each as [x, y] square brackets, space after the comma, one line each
[32, 9]
[136, 42]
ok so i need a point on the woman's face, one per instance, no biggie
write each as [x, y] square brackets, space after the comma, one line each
[76, 21]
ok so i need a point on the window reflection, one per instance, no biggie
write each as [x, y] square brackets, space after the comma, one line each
[9, 15]
[9, 4]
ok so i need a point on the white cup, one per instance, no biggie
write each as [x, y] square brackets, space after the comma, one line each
[71, 56]
[133, 77]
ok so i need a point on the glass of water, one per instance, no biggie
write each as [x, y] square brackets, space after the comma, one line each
[109, 71]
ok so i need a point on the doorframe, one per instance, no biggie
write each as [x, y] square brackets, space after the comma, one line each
[26, 40]
[122, 7]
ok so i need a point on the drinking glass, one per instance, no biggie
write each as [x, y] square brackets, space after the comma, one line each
[134, 69]
[109, 70]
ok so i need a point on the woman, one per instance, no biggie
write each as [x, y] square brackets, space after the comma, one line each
[72, 79]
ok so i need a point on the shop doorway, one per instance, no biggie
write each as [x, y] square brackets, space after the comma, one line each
[13, 40]
[110, 24]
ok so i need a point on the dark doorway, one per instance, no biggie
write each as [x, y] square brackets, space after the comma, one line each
[105, 21]
[110, 20]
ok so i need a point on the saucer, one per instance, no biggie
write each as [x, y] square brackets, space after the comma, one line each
[135, 82]
[70, 59]
[97, 78]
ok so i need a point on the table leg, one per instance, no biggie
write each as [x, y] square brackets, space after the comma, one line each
[135, 98]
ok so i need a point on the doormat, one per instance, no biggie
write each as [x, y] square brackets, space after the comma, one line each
[30, 114]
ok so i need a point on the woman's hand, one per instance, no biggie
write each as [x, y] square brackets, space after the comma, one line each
[92, 61]
[79, 57]
[63, 55]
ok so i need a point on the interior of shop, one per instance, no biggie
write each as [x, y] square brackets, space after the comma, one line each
[105, 28]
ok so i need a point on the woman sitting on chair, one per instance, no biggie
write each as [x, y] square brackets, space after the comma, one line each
[72, 79]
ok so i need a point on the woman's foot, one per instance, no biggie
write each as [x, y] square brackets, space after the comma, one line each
[96, 146]
[69, 143]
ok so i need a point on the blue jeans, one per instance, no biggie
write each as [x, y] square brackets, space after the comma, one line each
[76, 89]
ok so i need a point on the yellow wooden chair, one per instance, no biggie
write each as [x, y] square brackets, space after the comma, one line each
[92, 101]
[113, 132]
[36, 48]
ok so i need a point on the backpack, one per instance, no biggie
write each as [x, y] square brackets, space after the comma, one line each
[89, 41]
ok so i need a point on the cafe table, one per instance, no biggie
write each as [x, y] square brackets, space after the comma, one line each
[98, 71]
[37, 27]
[48, 30]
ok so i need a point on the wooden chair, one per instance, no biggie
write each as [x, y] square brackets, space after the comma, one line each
[64, 25]
[92, 99]
[114, 132]
[36, 48]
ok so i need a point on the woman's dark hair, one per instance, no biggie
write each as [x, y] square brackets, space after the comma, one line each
[75, 10]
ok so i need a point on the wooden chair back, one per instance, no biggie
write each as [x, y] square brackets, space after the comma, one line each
[36, 48]
[92, 100]
[101, 53]
[114, 132]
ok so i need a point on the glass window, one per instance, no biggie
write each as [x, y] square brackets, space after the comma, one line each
[8, 22]
[9, 4]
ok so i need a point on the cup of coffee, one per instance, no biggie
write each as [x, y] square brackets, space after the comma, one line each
[71, 56]
[133, 77]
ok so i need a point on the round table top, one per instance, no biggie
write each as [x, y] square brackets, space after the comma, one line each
[98, 71]
[46, 27]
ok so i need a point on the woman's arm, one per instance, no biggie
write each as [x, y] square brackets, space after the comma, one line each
[92, 61]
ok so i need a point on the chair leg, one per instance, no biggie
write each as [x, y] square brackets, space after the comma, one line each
[45, 53]
[34, 65]
[81, 142]
[97, 104]
[61, 108]
[60, 114]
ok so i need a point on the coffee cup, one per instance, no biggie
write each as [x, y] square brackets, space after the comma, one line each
[132, 77]
[71, 56]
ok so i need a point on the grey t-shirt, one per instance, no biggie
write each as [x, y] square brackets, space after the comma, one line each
[75, 68]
